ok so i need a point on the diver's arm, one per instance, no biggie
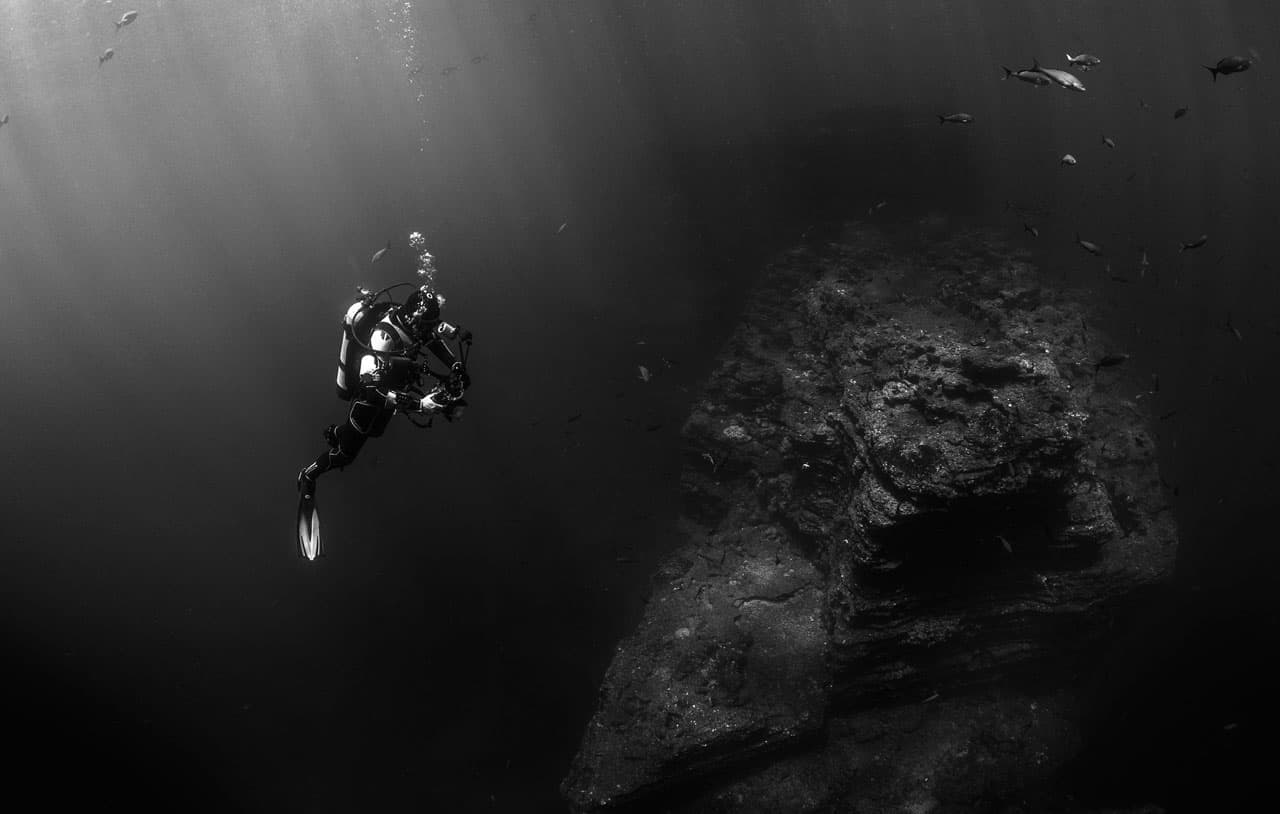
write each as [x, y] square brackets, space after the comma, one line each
[371, 378]
[442, 352]
[371, 381]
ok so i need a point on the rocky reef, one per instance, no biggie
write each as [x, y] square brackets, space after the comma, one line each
[918, 512]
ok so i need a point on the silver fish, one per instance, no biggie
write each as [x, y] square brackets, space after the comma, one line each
[106, 55]
[1084, 61]
[1061, 78]
[1107, 140]
[129, 16]
[644, 373]
[1068, 159]
[378, 255]
[1027, 75]
[1091, 248]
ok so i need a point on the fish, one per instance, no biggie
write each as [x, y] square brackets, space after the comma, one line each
[378, 255]
[1110, 360]
[1168, 415]
[1067, 160]
[1180, 112]
[1060, 78]
[877, 207]
[644, 373]
[417, 69]
[1194, 244]
[1091, 248]
[1234, 330]
[1143, 264]
[129, 16]
[448, 69]
[1084, 61]
[562, 227]
[1143, 105]
[1026, 227]
[1027, 75]
[955, 118]
[4, 120]
[106, 55]
[573, 418]
[1005, 543]
[478, 59]
[1229, 65]
[1107, 140]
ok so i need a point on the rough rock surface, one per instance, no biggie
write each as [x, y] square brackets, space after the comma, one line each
[915, 507]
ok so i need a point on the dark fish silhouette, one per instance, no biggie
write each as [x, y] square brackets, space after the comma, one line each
[955, 118]
[1229, 65]
[1194, 244]
[1180, 112]
[1110, 360]
[1107, 140]
[1026, 227]
[4, 120]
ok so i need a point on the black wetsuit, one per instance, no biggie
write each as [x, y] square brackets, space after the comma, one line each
[372, 408]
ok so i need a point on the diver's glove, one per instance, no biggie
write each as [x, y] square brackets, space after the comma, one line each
[433, 402]
[445, 403]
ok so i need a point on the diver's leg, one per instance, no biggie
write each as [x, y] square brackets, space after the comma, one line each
[346, 443]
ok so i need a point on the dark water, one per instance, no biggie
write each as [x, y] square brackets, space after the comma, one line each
[182, 228]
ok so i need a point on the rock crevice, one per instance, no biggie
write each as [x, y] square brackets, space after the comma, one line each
[905, 479]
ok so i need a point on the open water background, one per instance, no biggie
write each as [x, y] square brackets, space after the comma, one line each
[182, 227]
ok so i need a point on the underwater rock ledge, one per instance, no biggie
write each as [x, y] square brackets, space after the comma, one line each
[915, 510]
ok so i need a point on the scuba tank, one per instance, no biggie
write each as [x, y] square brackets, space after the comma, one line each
[357, 327]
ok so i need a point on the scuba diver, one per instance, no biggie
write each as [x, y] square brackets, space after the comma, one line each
[382, 363]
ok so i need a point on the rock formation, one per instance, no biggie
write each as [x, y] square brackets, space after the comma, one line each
[917, 510]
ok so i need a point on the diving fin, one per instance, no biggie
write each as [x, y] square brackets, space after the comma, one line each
[308, 527]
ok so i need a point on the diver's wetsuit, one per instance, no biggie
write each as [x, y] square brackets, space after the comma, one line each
[384, 377]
